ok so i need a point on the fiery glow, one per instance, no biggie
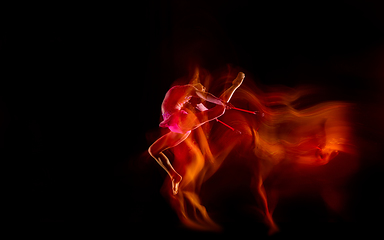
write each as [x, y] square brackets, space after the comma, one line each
[285, 131]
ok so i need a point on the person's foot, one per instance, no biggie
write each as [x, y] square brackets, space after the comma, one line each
[239, 79]
[176, 179]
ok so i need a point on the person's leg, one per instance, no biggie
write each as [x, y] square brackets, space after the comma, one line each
[227, 95]
[169, 140]
[219, 110]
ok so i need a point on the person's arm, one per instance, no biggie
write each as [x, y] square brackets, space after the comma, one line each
[210, 97]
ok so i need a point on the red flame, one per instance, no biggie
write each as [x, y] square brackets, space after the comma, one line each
[277, 146]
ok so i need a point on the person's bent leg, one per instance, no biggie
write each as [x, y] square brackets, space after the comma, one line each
[219, 110]
[227, 95]
[169, 140]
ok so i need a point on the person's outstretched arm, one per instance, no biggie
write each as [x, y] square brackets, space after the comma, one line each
[209, 97]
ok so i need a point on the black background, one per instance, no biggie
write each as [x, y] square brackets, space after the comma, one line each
[81, 89]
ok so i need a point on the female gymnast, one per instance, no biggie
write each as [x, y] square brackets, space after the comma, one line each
[181, 119]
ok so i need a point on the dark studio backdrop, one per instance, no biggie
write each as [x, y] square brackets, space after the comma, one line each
[82, 86]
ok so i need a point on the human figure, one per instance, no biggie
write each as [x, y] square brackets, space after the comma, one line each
[181, 119]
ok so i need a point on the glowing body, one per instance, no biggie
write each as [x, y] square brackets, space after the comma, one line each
[181, 119]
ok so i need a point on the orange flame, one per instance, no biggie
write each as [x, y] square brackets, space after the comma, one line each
[285, 131]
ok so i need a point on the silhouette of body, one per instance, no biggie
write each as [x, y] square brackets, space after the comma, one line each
[181, 119]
